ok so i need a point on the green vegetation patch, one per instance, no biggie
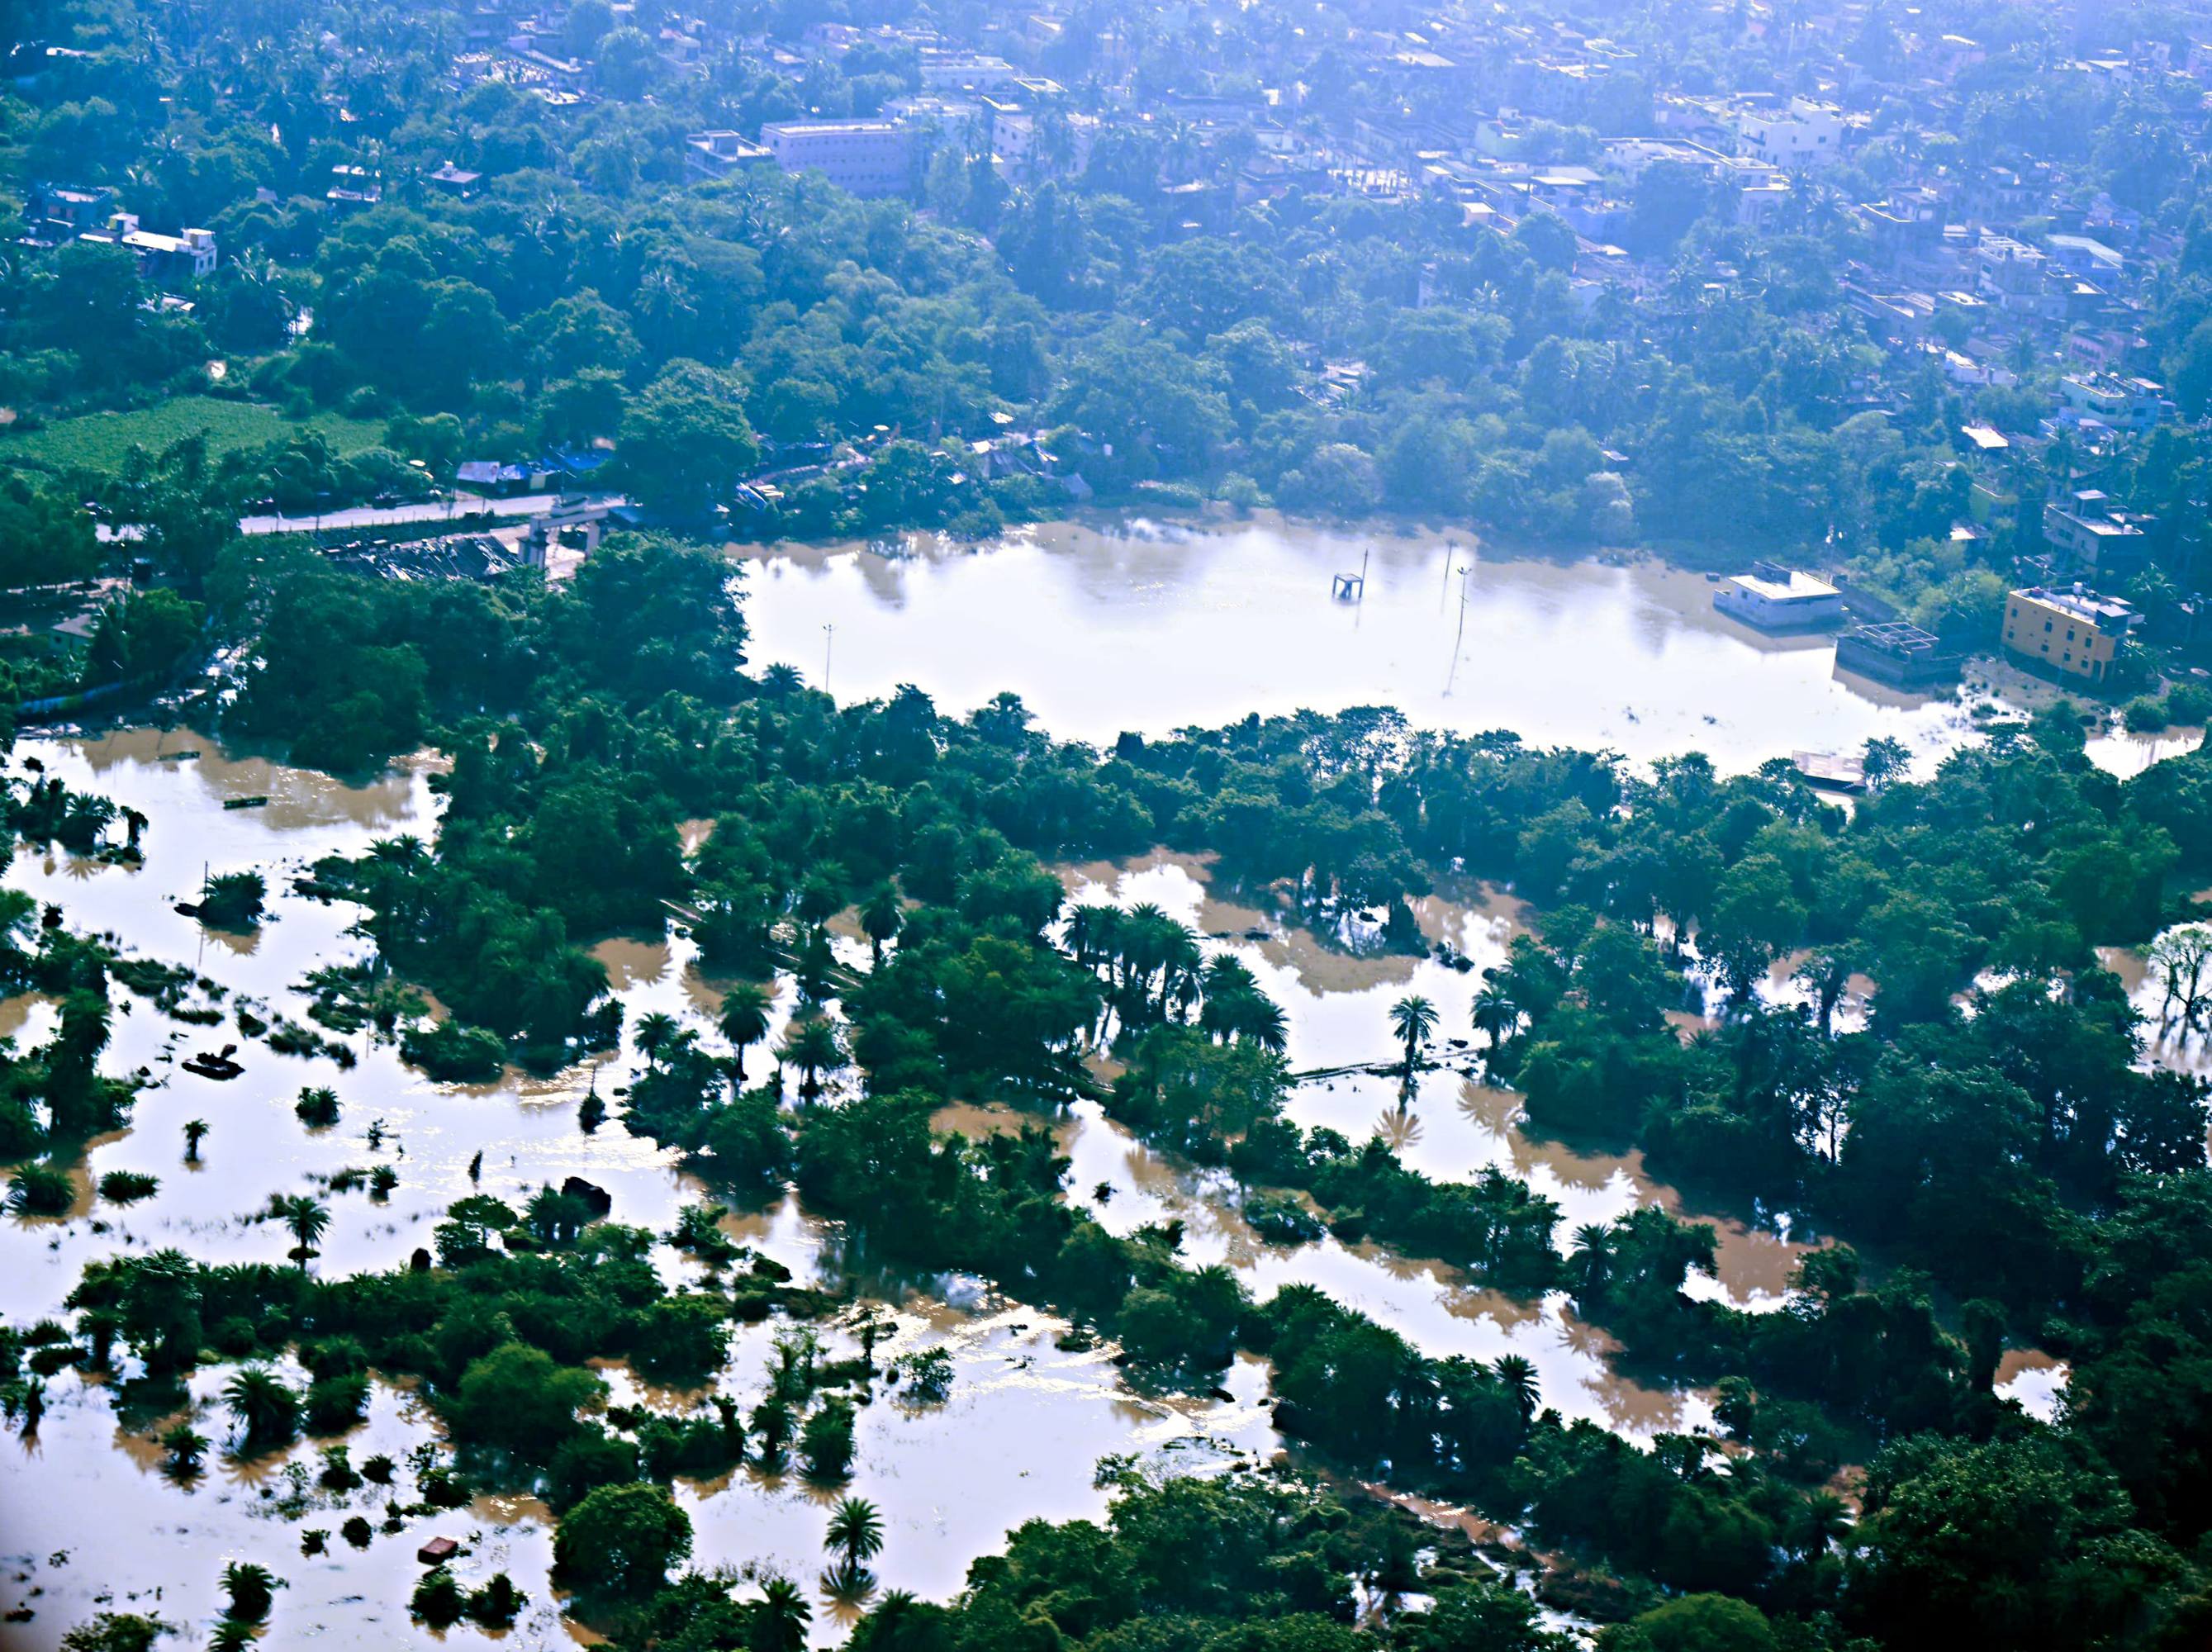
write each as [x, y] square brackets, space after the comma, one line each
[100, 441]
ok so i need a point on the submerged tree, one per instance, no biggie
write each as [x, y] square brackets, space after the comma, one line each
[265, 1409]
[811, 1045]
[251, 1590]
[780, 1617]
[1413, 1019]
[2179, 959]
[307, 1220]
[856, 1529]
[1495, 1012]
[743, 1020]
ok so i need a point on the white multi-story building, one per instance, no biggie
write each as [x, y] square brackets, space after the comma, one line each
[868, 157]
[164, 260]
[1794, 136]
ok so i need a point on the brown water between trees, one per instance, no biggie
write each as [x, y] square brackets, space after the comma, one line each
[88, 1520]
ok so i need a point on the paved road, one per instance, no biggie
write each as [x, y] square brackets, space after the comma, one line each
[448, 510]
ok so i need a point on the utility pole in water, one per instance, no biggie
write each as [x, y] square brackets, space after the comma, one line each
[1458, 633]
[829, 642]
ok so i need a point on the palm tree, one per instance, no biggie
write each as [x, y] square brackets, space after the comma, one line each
[307, 1220]
[810, 1046]
[812, 966]
[779, 1620]
[1590, 1266]
[1412, 1018]
[261, 1405]
[251, 1589]
[743, 1020]
[891, 1615]
[855, 1527]
[1260, 1020]
[195, 1133]
[1495, 1012]
[1089, 927]
[185, 1445]
[1821, 1520]
[881, 918]
[655, 1029]
[1518, 1377]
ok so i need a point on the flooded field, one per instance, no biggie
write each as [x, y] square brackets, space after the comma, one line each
[1451, 1126]
[1027, 1421]
[1018, 1438]
[1154, 626]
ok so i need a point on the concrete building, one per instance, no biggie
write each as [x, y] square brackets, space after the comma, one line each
[1777, 598]
[868, 157]
[2087, 531]
[164, 260]
[1896, 652]
[718, 154]
[1797, 135]
[57, 212]
[2072, 632]
[457, 181]
[2120, 402]
[966, 71]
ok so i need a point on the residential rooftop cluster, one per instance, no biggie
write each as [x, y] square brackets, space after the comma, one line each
[1912, 295]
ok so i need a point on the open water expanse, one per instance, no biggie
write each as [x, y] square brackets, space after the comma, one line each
[1148, 628]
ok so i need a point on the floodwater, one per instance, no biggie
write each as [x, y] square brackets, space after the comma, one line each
[2168, 1039]
[2033, 1378]
[1027, 1420]
[1018, 1439]
[1432, 1304]
[1154, 626]
[1452, 1125]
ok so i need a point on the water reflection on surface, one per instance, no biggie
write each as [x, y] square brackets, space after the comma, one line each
[1154, 626]
[1018, 1438]
[88, 1514]
[1449, 1125]
[1431, 1304]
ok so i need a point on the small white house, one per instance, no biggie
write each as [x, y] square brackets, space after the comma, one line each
[1777, 598]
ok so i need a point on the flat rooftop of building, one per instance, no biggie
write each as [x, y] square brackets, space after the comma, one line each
[1784, 585]
[824, 128]
[2083, 604]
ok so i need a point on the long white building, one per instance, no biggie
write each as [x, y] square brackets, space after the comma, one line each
[868, 157]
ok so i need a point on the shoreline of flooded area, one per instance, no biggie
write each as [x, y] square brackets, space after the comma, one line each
[1150, 626]
[1025, 1424]
[1447, 1126]
[1028, 1418]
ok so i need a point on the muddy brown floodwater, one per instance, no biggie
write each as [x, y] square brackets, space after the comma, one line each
[1450, 1126]
[1027, 1421]
[1151, 626]
[1019, 1438]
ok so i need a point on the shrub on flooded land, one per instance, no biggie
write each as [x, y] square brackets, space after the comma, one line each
[620, 1540]
[40, 1190]
[128, 1186]
[453, 1053]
